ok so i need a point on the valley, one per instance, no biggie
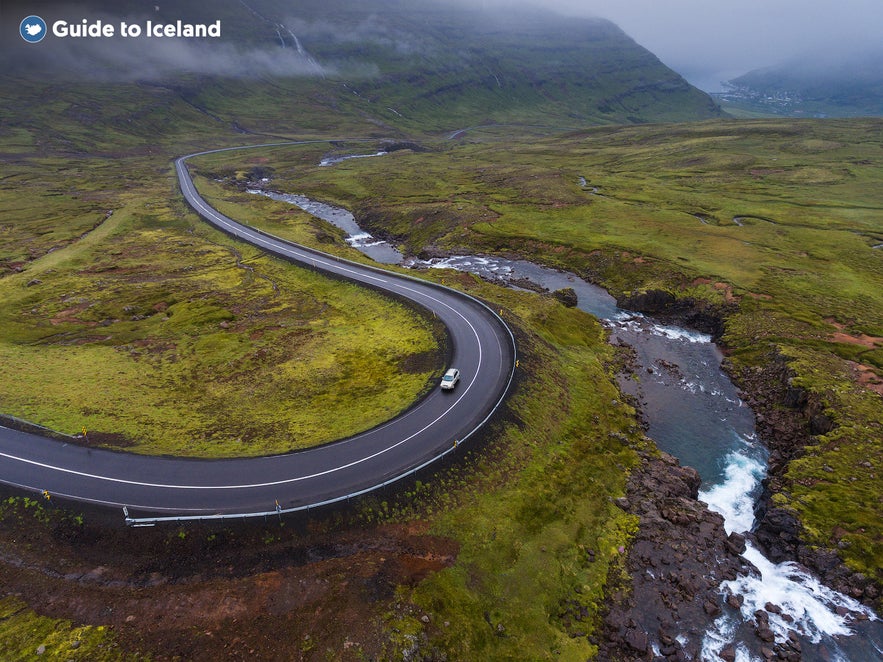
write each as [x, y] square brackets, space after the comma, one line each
[128, 324]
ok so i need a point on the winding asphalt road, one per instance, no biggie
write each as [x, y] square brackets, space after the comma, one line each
[157, 489]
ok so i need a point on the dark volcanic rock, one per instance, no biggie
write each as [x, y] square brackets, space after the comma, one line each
[692, 313]
[787, 419]
[676, 562]
[567, 296]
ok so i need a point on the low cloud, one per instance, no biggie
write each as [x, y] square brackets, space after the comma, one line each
[117, 59]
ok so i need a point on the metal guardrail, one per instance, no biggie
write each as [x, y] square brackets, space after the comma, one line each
[278, 510]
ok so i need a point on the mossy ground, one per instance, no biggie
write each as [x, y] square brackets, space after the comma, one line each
[156, 333]
[537, 527]
[779, 218]
[530, 511]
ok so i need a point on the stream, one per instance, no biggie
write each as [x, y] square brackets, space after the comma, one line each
[694, 413]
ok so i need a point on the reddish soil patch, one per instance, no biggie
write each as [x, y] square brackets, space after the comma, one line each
[867, 377]
[727, 290]
[69, 315]
[276, 591]
[862, 339]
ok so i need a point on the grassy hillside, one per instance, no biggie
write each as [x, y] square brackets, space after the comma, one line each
[776, 222]
[421, 66]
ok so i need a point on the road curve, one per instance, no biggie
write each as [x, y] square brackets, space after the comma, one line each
[157, 489]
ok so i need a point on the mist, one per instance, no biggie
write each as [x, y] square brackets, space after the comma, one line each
[113, 60]
[708, 41]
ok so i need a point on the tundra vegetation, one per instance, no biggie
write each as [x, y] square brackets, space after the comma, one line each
[157, 334]
[774, 224]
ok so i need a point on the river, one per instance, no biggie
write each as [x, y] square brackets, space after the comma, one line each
[694, 412]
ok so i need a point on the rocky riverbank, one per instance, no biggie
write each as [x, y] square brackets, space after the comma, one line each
[787, 420]
[675, 564]
[681, 552]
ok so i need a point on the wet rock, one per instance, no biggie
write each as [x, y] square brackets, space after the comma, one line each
[687, 311]
[566, 296]
[765, 634]
[772, 608]
[676, 562]
[728, 653]
[712, 609]
[637, 640]
[651, 301]
[778, 535]
[736, 543]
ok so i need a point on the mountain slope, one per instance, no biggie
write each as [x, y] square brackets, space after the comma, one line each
[415, 66]
[820, 84]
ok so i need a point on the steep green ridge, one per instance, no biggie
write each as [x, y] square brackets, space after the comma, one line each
[415, 66]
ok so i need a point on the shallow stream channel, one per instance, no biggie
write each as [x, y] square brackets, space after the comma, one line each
[694, 413]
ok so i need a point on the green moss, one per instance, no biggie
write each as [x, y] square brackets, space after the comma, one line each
[534, 519]
[25, 635]
[157, 333]
[778, 219]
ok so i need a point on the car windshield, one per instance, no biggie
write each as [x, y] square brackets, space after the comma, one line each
[448, 378]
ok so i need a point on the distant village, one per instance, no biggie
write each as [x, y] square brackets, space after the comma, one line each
[779, 102]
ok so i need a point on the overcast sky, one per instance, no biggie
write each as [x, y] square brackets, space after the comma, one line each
[707, 41]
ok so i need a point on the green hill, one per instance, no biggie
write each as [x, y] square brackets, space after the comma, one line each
[383, 65]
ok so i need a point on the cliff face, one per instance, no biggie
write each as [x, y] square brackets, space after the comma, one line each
[788, 418]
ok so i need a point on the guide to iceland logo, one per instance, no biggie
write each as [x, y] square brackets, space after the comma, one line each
[33, 29]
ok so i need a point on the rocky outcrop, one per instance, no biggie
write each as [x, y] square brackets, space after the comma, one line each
[787, 419]
[675, 564]
[686, 311]
[567, 296]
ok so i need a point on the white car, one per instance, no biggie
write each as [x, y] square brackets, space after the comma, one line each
[449, 381]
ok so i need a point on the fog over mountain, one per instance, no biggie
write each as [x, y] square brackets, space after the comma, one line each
[413, 63]
[708, 41]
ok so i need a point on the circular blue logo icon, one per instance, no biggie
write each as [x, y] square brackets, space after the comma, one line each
[33, 29]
